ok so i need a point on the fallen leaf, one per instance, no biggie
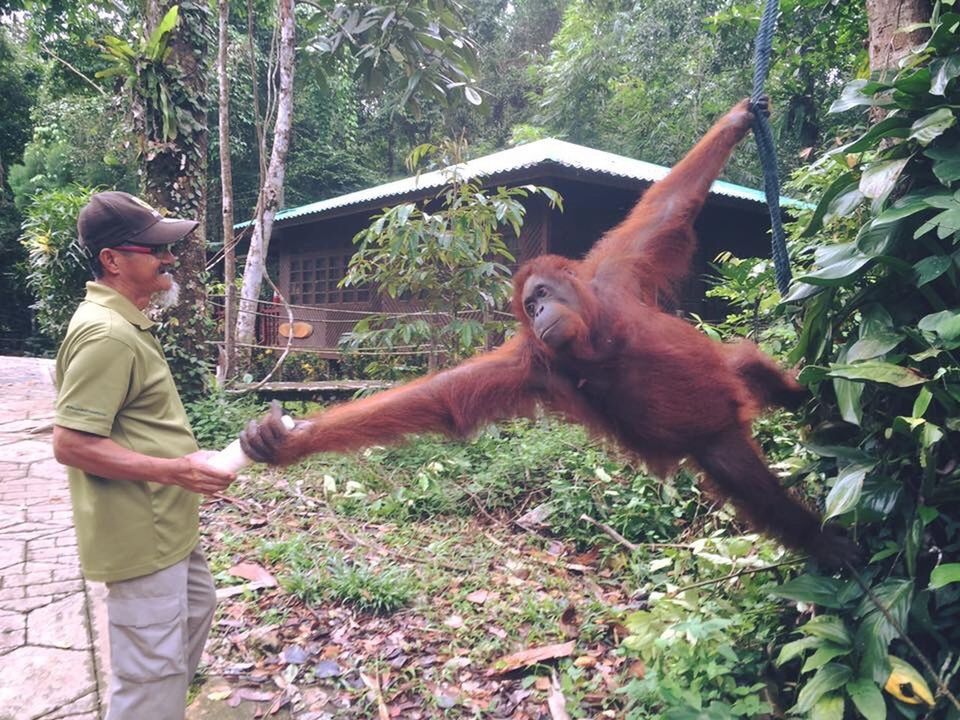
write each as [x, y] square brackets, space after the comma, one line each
[218, 695]
[585, 661]
[327, 669]
[231, 590]
[481, 596]
[454, 621]
[530, 656]
[542, 683]
[254, 573]
[251, 695]
[556, 702]
[373, 684]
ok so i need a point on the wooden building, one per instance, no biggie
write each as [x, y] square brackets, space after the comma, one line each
[313, 243]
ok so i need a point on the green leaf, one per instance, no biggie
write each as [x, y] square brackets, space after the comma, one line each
[895, 126]
[829, 677]
[945, 575]
[155, 43]
[874, 345]
[875, 632]
[944, 70]
[830, 628]
[868, 699]
[842, 184]
[796, 648]
[946, 162]
[944, 325]
[930, 268]
[836, 263]
[878, 371]
[829, 707]
[854, 94]
[930, 127]
[824, 654]
[946, 223]
[848, 400]
[922, 402]
[845, 493]
[815, 589]
[879, 178]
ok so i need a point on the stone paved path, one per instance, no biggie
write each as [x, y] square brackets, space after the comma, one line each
[49, 660]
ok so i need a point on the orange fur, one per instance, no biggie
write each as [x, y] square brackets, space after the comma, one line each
[630, 372]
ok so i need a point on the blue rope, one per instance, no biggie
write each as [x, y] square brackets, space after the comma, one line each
[765, 146]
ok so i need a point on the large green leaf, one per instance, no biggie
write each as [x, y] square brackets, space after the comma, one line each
[879, 178]
[824, 654]
[829, 677]
[857, 93]
[829, 707]
[878, 371]
[868, 699]
[835, 263]
[848, 395]
[816, 589]
[930, 268]
[845, 493]
[944, 70]
[946, 162]
[930, 127]
[796, 648]
[828, 627]
[944, 326]
[875, 632]
[944, 575]
[946, 223]
[156, 43]
[842, 184]
[895, 126]
[874, 345]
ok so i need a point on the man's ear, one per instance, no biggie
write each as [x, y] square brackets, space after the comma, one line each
[108, 260]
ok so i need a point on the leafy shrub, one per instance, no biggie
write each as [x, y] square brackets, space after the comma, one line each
[57, 268]
[880, 330]
[217, 418]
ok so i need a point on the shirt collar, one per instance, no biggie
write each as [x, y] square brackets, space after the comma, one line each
[100, 294]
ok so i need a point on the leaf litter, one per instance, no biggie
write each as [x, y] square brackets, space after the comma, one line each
[497, 613]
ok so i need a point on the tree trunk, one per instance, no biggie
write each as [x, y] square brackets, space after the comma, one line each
[885, 17]
[226, 183]
[271, 194]
[175, 178]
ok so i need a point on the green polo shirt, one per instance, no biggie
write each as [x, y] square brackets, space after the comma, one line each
[113, 381]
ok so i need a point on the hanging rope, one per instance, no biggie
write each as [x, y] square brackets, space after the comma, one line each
[765, 147]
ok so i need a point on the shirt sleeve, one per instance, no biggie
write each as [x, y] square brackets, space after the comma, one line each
[97, 379]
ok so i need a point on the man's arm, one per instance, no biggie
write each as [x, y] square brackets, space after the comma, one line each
[102, 456]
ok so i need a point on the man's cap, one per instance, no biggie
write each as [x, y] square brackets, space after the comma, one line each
[114, 218]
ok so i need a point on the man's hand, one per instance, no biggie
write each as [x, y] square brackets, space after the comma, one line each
[194, 474]
[262, 440]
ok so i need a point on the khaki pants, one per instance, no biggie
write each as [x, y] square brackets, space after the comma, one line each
[158, 625]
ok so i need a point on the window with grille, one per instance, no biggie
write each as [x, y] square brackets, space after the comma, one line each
[314, 280]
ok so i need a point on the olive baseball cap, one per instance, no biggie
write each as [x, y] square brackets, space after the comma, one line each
[114, 218]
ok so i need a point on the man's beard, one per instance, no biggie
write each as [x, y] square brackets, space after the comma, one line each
[164, 300]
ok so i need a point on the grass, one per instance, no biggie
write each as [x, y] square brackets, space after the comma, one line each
[404, 564]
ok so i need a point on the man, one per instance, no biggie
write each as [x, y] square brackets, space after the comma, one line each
[134, 466]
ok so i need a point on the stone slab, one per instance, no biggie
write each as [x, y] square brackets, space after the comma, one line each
[62, 675]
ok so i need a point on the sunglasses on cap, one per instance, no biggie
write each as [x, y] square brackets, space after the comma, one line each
[144, 249]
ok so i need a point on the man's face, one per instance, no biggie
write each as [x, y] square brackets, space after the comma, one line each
[147, 271]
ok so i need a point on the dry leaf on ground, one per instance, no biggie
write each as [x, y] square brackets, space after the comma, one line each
[530, 656]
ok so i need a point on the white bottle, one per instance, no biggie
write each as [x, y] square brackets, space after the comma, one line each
[232, 458]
